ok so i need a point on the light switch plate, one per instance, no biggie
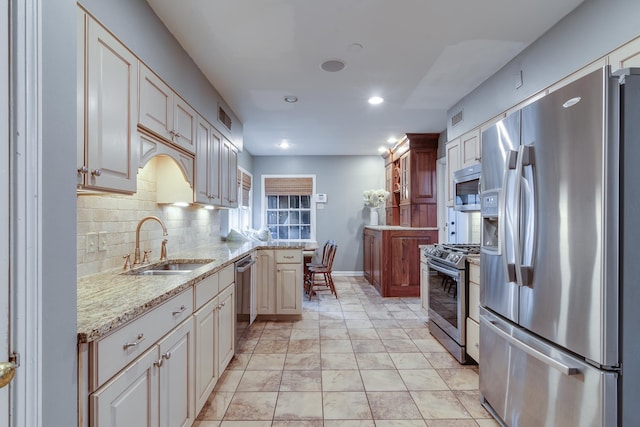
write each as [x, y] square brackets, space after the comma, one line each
[92, 242]
[102, 241]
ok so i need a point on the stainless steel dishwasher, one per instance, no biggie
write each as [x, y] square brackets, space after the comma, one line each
[245, 295]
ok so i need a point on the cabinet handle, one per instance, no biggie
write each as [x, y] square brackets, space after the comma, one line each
[83, 169]
[166, 356]
[135, 343]
[287, 256]
[158, 363]
[182, 308]
[96, 172]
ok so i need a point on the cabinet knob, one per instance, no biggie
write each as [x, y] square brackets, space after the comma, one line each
[158, 363]
[96, 172]
[83, 169]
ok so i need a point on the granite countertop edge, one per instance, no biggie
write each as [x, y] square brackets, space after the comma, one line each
[108, 300]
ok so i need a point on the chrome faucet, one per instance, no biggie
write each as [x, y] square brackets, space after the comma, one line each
[163, 252]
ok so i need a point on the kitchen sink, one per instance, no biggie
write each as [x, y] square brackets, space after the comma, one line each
[170, 267]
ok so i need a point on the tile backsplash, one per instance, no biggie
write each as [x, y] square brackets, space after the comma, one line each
[118, 215]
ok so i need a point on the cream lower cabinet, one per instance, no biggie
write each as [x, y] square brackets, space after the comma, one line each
[473, 319]
[279, 276]
[266, 277]
[214, 331]
[154, 390]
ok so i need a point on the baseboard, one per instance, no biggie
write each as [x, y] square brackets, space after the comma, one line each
[347, 273]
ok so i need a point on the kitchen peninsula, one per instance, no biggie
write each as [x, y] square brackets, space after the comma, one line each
[144, 341]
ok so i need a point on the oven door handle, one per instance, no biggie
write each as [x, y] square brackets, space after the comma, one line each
[245, 266]
[448, 271]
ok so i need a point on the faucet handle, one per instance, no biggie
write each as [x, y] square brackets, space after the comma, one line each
[127, 261]
[145, 257]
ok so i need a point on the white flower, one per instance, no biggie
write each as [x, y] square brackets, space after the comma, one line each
[374, 198]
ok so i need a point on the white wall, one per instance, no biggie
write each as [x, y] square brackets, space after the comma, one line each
[343, 179]
[58, 157]
[592, 30]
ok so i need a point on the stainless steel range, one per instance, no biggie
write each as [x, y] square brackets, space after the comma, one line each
[446, 290]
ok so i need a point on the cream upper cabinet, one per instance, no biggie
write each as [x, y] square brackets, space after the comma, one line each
[164, 113]
[207, 188]
[453, 164]
[107, 147]
[229, 174]
[626, 56]
[470, 153]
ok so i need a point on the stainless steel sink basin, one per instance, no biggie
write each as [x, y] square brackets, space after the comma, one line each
[170, 267]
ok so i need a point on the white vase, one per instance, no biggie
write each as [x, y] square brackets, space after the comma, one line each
[373, 216]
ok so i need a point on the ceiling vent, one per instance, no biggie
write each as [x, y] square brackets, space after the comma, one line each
[224, 118]
[456, 118]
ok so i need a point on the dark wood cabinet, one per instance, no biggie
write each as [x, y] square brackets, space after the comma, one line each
[410, 177]
[392, 259]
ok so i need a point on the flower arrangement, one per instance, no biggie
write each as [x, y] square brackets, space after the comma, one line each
[374, 198]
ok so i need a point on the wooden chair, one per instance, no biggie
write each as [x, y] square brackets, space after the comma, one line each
[323, 272]
[323, 262]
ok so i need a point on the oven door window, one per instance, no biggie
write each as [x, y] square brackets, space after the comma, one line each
[443, 296]
[467, 193]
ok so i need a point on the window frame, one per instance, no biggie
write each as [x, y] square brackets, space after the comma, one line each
[312, 205]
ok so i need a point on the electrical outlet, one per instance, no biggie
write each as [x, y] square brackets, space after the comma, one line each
[102, 241]
[92, 242]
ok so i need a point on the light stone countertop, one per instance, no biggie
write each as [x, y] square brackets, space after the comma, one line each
[108, 300]
[474, 259]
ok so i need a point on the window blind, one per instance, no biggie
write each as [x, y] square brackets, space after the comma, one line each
[245, 183]
[301, 186]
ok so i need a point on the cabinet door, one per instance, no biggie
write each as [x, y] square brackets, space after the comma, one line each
[405, 175]
[367, 252]
[112, 88]
[424, 288]
[177, 403]
[453, 164]
[156, 104]
[266, 277]
[206, 364]
[405, 215]
[203, 162]
[470, 148]
[130, 398]
[226, 327]
[184, 125]
[215, 143]
[233, 176]
[376, 259]
[289, 289]
[225, 149]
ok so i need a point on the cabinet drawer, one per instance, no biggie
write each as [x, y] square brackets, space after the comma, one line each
[227, 276]
[474, 301]
[206, 290]
[473, 339]
[474, 273]
[288, 256]
[115, 351]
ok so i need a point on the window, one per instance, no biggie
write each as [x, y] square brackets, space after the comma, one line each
[240, 218]
[288, 212]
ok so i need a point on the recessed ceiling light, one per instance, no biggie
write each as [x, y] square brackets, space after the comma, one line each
[291, 99]
[284, 145]
[333, 65]
[375, 100]
[392, 140]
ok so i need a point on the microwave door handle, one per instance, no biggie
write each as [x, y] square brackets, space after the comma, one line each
[505, 211]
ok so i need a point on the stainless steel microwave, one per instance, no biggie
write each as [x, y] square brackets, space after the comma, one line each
[466, 188]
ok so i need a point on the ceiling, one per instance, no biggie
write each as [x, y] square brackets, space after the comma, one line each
[421, 56]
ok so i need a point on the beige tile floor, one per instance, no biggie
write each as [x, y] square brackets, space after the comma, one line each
[357, 361]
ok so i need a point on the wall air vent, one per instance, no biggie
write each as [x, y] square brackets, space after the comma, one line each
[224, 118]
[456, 118]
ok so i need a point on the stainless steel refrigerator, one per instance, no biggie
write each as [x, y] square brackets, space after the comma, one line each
[560, 305]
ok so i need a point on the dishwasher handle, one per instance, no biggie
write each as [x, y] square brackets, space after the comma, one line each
[243, 266]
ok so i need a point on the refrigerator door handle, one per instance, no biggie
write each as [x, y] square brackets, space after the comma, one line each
[507, 248]
[526, 216]
[536, 354]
